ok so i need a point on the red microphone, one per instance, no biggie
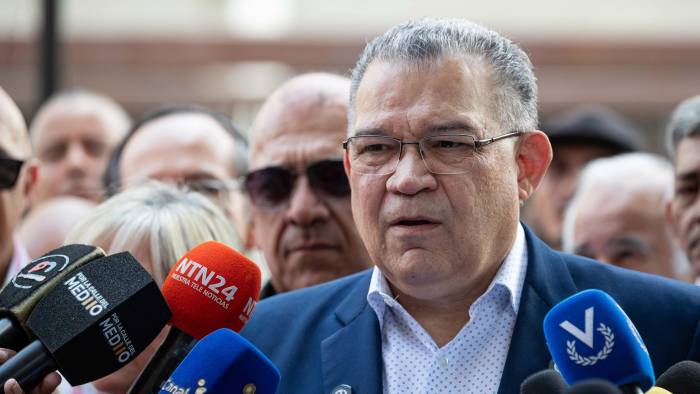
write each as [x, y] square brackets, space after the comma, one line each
[211, 287]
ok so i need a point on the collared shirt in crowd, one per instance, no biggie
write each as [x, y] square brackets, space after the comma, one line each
[473, 361]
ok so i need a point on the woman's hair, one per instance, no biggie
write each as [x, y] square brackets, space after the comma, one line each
[164, 219]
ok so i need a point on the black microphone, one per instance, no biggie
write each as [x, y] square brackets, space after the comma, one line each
[594, 386]
[547, 381]
[91, 324]
[32, 283]
[681, 378]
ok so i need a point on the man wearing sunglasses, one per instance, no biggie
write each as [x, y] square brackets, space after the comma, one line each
[443, 147]
[18, 175]
[298, 188]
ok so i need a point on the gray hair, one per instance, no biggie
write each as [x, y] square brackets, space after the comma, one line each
[624, 172]
[170, 220]
[684, 122]
[430, 39]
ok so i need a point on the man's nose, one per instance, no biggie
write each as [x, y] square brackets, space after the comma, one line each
[411, 175]
[305, 207]
[76, 157]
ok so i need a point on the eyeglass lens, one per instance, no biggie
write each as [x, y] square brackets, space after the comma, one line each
[9, 172]
[273, 186]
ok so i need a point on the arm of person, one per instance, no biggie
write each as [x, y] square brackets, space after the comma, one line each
[47, 386]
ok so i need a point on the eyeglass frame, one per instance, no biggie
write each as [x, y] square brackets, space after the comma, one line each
[477, 144]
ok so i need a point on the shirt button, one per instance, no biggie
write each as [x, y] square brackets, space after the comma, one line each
[443, 361]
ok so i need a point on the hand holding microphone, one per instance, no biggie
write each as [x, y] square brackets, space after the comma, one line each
[91, 323]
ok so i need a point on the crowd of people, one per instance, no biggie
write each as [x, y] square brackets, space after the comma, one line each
[421, 192]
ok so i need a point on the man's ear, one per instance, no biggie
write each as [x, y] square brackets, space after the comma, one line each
[346, 163]
[534, 153]
[31, 176]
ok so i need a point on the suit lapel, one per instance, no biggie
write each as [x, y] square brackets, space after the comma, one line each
[352, 354]
[547, 282]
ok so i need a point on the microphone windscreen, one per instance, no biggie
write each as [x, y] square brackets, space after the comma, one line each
[38, 276]
[100, 317]
[547, 381]
[658, 390]
[224, 362]
[211, 287]
[593, 386]
[589, 336]
[680, 378]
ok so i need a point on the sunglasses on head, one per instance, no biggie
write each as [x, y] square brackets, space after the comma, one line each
[9, 172]
[271, 187]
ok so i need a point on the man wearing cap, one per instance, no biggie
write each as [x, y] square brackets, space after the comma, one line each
[577, 137]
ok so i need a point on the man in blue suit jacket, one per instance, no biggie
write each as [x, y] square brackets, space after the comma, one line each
[442, 149]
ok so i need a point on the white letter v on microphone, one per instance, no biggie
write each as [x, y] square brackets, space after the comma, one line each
[584, 336]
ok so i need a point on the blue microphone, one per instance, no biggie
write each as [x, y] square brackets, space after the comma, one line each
[590, 336]
[223, 362]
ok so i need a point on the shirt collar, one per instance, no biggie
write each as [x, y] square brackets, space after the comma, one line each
[510, 276]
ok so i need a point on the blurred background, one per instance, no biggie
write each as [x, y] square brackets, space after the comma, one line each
[640, 57]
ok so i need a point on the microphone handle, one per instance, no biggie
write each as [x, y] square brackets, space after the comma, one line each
[11, 336]
[631, 389]
[29, 367]
[168, 356]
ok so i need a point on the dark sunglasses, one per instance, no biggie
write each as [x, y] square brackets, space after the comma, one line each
[271, 187]
[9, 172]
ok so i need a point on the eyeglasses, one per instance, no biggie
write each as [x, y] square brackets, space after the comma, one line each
[442, 154]
[9, 172]
[212, 188]
[271, 187]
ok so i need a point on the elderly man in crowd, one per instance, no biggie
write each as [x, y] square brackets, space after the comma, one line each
[442, 149]
[18, 175]
[577, 136]
[73, 135]
[300, 194]
[618, 215]
[683, 136]
[188, 145]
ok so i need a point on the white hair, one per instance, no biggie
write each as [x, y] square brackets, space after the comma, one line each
[169, 220]
[623, 173]
[426, 40]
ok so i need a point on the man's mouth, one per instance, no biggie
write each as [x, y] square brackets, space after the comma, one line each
[413, 221]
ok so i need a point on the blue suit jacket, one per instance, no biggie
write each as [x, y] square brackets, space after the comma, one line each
[328, 335]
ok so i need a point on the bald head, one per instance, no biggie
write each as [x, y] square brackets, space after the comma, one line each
[313, 104]
[13, 131]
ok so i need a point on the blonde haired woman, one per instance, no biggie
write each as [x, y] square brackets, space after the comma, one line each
[157, 223]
